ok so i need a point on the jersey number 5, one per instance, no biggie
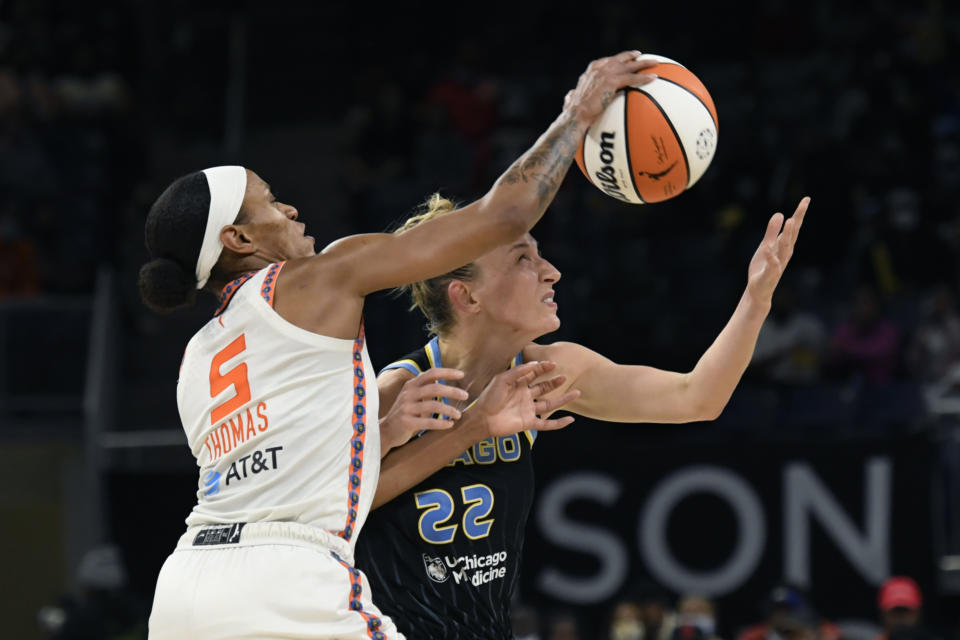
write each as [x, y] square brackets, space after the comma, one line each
[439, 505]
[236, 377]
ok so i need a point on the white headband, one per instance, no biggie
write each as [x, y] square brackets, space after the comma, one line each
[227, 186]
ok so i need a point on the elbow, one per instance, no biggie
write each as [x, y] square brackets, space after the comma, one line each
[699, 404]
[703, 414]
[708, 409]
[706, 401]
[711, 413]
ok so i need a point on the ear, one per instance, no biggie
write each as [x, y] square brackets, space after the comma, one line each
[461, 297]
[237, 240]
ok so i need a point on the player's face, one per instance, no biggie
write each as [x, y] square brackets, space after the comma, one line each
[273, 224]
[515, 288]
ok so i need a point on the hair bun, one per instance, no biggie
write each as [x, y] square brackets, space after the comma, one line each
[166, 286]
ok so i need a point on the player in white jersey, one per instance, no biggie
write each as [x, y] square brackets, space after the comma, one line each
[277, 395]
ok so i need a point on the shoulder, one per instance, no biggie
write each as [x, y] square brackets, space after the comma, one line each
[572, 359]
[562, 353]
[307, 271]
[312, 295]
[335, 266]
[398, 372]
[394, 377]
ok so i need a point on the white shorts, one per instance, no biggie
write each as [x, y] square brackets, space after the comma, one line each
[264, 580]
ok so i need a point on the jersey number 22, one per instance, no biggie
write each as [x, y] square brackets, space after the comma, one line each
[439, 505]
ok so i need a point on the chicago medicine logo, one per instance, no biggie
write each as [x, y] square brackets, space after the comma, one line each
[473, 569]
[436, 570]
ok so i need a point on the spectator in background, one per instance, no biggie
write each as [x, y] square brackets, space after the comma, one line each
[789, 617]
[697, 613]
[933, 357]
[687, 632]
[901, 605]
[470, 105]
[790, 345]
[935, 347]
[656, 616]
[526, 622]
[801, 624]
[625, 622]
[865, 347]
[643, 615]
[563, 626]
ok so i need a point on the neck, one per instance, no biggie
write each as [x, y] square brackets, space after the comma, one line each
[480, 353]
[233, 270]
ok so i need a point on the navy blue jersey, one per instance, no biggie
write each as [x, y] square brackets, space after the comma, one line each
[443, 558]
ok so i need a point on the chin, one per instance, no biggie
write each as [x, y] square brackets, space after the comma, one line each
[551, 325]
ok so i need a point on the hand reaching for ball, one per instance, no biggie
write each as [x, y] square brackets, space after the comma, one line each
[600, 82]
[774, 253]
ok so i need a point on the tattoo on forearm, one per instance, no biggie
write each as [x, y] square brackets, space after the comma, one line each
[607, 99]
[547, 163]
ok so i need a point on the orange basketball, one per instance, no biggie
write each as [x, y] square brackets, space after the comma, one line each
[654, 141]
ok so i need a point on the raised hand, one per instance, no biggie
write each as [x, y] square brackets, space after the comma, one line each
[417, 403]
[774, 253]
[512, 402]
[600, 82]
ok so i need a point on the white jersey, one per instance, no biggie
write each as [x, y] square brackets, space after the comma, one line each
[282, 421]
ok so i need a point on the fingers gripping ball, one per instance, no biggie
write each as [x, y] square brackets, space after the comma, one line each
[653, 141]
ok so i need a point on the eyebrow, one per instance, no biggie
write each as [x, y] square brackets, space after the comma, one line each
[524, 245]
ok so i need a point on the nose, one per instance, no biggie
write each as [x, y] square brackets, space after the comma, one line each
[290, 211]
[549, 273]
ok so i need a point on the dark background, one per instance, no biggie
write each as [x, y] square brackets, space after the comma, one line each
[355, 113]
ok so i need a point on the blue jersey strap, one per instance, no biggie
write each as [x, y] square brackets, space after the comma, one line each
[432, 351]
[406, 363]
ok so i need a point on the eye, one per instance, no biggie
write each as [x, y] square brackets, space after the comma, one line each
[522, 257]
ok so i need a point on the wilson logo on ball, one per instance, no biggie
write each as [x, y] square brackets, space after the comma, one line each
[653, 141]
[607, 174]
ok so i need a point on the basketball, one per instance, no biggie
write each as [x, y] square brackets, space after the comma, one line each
[654, 141]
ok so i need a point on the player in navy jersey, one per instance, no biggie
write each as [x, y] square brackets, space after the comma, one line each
[443, 555]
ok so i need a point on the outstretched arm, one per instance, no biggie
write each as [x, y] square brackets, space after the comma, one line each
[372, 262]
[623, 393]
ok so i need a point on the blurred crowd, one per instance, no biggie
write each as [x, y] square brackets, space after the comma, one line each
[786, 614]
[862, 114]
[68, 157]
[859, 107]
[105, 609]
